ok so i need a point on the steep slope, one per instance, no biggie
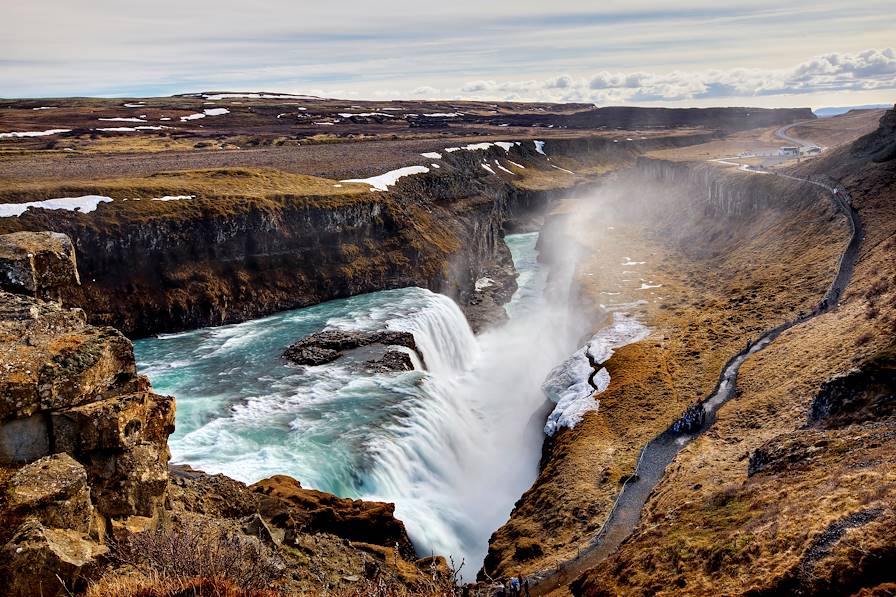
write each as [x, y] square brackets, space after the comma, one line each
[792, 489]
[707, 258]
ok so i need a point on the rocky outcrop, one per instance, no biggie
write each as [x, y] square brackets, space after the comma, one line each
[328, 345]
[879, 145]
[867, 393]
[48, 561]
[288, 505]
[84, 435]
[71, 387]
[391, 362]
[40, 264]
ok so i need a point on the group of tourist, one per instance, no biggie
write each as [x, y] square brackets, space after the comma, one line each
[515, 586]
[692, 419]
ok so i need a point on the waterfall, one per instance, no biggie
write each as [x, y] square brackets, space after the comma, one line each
[442, 333]
[453, 445]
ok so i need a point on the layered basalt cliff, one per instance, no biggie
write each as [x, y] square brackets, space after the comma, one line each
[226, 256]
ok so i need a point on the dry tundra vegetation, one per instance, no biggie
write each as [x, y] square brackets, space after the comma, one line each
[790, 491]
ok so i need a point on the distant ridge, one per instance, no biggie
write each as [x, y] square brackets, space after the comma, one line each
[836, 111]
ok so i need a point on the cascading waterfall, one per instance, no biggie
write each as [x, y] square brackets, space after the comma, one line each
[453, 446]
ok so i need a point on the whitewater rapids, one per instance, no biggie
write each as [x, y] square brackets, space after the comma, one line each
[453, 446]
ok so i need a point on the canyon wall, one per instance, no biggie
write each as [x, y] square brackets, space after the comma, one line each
[721, 255]
[226, 259]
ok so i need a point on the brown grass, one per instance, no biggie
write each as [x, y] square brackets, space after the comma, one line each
[709, 529]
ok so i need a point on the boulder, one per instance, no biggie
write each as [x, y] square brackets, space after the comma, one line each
[328, 345]
[212, 495]
[391, 362]
[288, 505]
[117, 423]
[46, 561]
[39, 264]
[52, 490]
[53, 359]
[129, 483]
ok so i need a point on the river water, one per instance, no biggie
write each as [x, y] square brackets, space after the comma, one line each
[453, 446]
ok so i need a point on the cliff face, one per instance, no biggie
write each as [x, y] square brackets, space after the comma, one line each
[723, 192]
[225, 258]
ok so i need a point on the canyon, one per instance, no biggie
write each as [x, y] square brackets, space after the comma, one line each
[704, 255]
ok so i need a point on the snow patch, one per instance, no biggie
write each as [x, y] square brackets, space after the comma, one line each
[173, 197]
[483, 283]
[45, 108]
[568, 386]
[131, 129]
[33, 133]
[498, 164]
[384, 181]
[432, 155]
[628, 261]
[349, 114]
[487, 167]
[539, 147]
[120, 119]
[564, 169]
[204, 113]
[85, 204]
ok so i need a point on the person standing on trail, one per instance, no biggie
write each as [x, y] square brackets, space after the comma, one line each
[514, 586]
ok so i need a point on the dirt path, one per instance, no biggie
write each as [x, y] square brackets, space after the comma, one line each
[660, 451]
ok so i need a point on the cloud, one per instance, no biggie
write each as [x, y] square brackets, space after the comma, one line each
[872, 69]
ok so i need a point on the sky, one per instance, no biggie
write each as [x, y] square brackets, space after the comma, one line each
[632, 52]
